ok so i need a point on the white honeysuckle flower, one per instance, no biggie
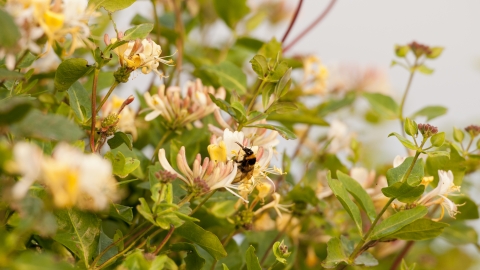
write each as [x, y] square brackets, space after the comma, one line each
[338, 136]
[347, 77]
[72, 177]
[179, 110]
[275, 204]
[28, 160]
[141, 54]
[204, 176]
[126, 119]
[398, 161]
[438, 195]
[315, 76]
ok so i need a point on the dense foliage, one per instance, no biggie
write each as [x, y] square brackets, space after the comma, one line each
[192, 171]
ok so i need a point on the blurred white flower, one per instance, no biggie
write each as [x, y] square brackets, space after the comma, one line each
[315, 76]
[275, 204]
[344, 78]
[338, 136]
[72, 177]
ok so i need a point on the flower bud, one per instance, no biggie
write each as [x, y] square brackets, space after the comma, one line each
[411, 127]
[427, 130]
[473, 130]
[419, 49]
[106, 39]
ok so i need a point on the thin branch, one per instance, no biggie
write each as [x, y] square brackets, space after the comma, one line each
[293, 21]
[311, 26]
[94, 112]
[164, 241]
[402, 255]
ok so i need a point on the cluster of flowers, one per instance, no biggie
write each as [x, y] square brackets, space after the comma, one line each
[54, 20]
[71, 177]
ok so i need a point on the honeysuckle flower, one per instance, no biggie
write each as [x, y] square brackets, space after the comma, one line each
[439, 194]
[315, 76]
[141, 54]
[344, 78]
[28, 160]
[398, 160]
[126, 117]
[275, 204]
[338, 136]
[72, 177]
[179, 110]
[204, 176]
[56, 21]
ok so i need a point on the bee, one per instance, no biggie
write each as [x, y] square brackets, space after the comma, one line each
[247, 164]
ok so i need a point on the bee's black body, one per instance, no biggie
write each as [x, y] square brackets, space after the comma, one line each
[247, 164]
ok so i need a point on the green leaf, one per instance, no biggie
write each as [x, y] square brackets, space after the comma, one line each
[401, 51]
[397, 174]
[424, 69]
[383, 105]
[122, 212]
[6, 74]
[411, 127]
[341, 194]
[280, 70]
[103, 242]
[404, 192]
[230, 76]
[283, 131]
[231, 12]
[468, 208]
[80, 101]
[420, 229]
[303, 194]
[271, 49]
[240, 113]
[434, 52]
[145, 210]
[404, 141]
[430, 112]
[397, 221]
[140, 31]
[438, 153]
[111, 5]
[224, 267]
[27, 60]
[458, 135]
[252, 259]
[404, 266]
[282, 107]
[438, 139]
[283, 85]
[34, 260]
[259, 65]
[122, 166]
[69, 71]
[361, 196]
[78, 231]
[120, 138]
[280, 255]
[455, 163]
[47, 127]
[14, 109]
[335, 253]
[203, 238]
[193, 260]
[298, 118]
[10, 33]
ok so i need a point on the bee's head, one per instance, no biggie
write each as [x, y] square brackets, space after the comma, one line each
[247, 150]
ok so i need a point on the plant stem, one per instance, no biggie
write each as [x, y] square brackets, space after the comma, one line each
[402, 255]
[300, 142]
[405, 93]
[160, 143]
[107, 95]
[254, 97]
[112, 259]
[293, 21]
[280, 233]
[358, 248]
[164, 241]
[94, 112]
[186, 199]
[180, 30]
[311, 26]
[203, 202]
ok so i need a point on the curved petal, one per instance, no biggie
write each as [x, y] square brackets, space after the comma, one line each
[152, 115]
[166, 166]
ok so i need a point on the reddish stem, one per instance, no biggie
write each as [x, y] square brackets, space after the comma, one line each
[293, 21]
[164, 241]
[402, 255]
[311, 26]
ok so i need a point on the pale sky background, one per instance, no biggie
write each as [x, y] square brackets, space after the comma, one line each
[364, 33]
